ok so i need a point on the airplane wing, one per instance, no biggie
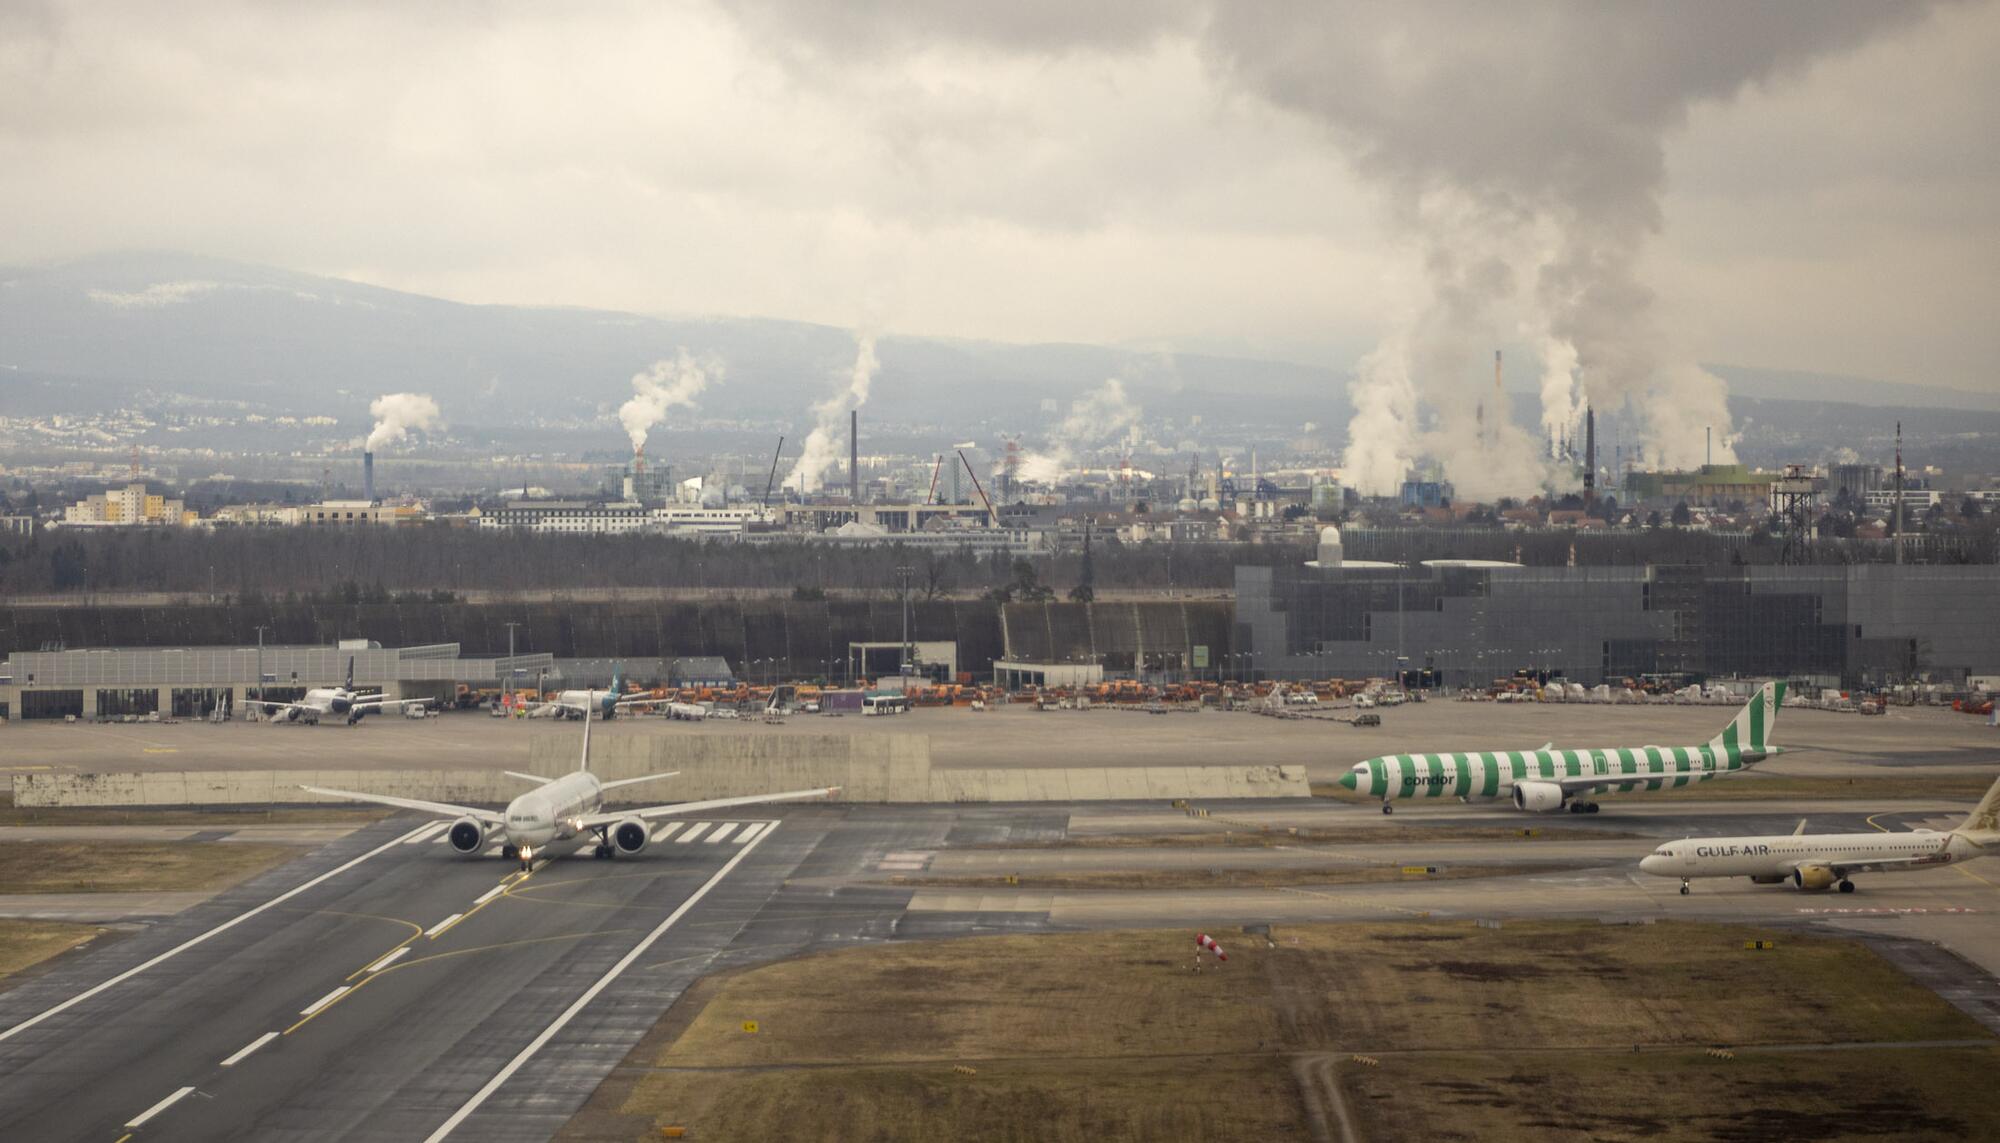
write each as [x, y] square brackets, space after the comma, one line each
[1875, 865]
[636, 700]
[442, 809]
[650, 812]
[269, 706]
[383, 704]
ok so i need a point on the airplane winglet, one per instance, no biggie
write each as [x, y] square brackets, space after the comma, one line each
[1801, 830]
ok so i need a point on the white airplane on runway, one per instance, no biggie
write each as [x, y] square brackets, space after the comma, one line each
[562, 808]
[341, 700]
[1821, 861]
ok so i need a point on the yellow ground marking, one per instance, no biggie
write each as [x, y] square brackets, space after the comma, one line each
[161, 750]
[124, 1137]
[513, 890]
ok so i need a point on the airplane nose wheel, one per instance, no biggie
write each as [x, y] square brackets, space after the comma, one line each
[1684, 886]
[1387, 808]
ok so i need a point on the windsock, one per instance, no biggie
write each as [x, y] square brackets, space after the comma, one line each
[1203, 940]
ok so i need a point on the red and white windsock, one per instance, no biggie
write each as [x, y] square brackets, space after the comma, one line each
[1204, 941]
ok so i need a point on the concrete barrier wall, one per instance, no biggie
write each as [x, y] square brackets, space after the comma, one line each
[868, 768]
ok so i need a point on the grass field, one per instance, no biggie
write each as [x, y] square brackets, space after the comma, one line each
[1525, 1032]
[132, 866]
[10, 814]
[1969, 786]
[27, 943]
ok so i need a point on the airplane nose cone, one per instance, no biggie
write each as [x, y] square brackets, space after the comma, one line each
[1348, 779]
[1651, 863]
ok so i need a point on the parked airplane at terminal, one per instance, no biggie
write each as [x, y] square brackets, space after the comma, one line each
[341, 700]
[1822, 861]
[562, 808]
[575, 704]
[1546, 780]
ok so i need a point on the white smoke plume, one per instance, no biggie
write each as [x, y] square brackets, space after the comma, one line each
[396, 414]
[1529, 136]
[664, 385]
[1100, 417]
[822, 448]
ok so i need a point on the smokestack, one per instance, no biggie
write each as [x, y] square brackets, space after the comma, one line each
[1499, 406]
[854, 457]
[1708, 436]
[368, 476]
[1589, 454]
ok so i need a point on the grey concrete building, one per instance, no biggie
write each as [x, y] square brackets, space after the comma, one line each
[1834, 626]
[191, 682]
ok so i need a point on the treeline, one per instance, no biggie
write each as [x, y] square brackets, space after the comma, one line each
[379, 565]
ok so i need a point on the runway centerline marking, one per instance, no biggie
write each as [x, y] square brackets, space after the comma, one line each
[441, 926]
[248, 1048]
[193, 941]
[400, 952]
[160, 1106]
[325, 1000]
[570, 1013]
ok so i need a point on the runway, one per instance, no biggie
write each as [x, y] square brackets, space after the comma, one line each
[388, 989]
[384, 988]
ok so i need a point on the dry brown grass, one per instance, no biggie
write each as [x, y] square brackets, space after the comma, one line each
[27, 943]
[1111, 1036]
[132, 866]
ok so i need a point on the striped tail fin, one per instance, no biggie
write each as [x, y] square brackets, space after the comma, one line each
[1749, 733]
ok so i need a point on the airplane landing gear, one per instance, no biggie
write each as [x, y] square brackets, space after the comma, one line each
[1583, 807]
[602, 852]
[1684, 886]
[510, 852]
[1387, 808]
[1846, 886]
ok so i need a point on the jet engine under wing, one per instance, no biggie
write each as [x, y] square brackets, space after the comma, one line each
[442, 809]
[609, 817]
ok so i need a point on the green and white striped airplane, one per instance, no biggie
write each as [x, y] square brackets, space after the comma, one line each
[1546, 780]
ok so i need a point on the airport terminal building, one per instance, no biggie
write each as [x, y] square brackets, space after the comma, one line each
[193, 682]
[1844, 626]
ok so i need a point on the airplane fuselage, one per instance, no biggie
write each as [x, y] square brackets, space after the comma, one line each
[1484, 776]
[551, 812]
[1774, 858]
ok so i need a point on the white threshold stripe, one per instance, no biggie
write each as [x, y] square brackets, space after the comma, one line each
[426, 832]
[549, 1033]
[388, 960]
[441, 926]
[246, 1050]
[664, 831]
[719, 834]
[324, 1001]
[753, 831]
[699, 829]
[193, 941]
[161, 1106]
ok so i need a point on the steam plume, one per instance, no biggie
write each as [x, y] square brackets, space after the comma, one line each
[1098, 418]
[664, 385]
[1528, 140]
[396, 414]
[822, 450]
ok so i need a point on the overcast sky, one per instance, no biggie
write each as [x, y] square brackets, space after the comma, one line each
[1130, 172]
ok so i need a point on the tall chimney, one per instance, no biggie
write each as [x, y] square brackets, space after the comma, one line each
[1499, 399]
[1589, 454]
[368, 476]
[854, 456]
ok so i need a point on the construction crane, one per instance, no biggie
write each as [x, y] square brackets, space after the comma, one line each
[992, 517]
[769, 480]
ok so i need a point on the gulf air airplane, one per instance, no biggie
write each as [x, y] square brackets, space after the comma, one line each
[1546, 780]
[1822, 861]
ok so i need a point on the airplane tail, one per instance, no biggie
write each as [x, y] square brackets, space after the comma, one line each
[1983, 825]
[585, 764]
[1749, 732]
[350, 672]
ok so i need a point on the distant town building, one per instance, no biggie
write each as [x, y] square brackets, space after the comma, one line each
[1712, 484]
[18, 525]
[572, 517]
[358, 513]
[128, 507]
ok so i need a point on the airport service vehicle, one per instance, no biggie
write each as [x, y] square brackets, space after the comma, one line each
[1548, 780]
[321, 702]
[1823, 861]
[562, 808]
[577, 704]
